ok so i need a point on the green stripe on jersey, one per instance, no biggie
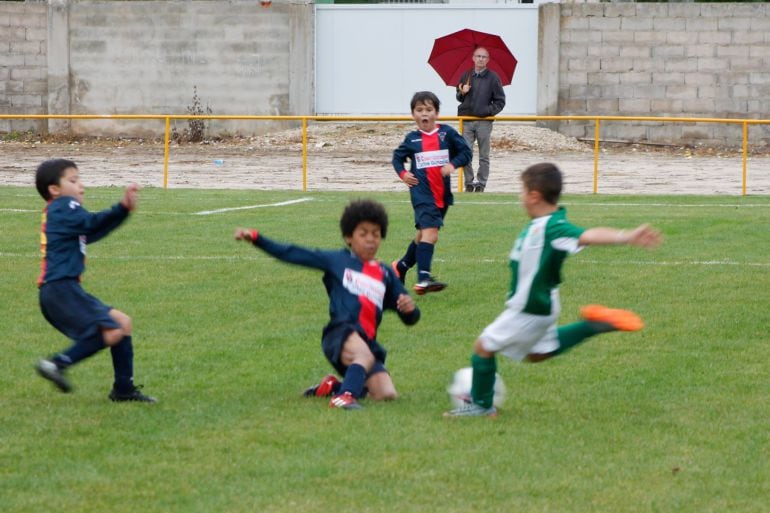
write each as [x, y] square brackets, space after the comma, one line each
[536, 260]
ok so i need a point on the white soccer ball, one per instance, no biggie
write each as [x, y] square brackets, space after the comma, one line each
[460, 388]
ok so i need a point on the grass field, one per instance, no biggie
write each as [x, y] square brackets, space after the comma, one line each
[673, 418]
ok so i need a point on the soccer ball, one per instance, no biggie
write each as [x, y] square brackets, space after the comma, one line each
[460, 388]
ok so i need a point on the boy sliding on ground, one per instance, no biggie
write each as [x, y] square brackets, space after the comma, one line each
[435, 151]
[92, 325]
[360, 288]
[527, 330]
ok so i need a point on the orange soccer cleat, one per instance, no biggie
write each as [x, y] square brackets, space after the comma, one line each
[622, 320]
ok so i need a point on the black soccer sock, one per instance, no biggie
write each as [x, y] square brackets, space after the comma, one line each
[79, 351]
[409, 259]
[483, 387]
[123, 365]
[424, 259]
[576, 333]
[355, 378]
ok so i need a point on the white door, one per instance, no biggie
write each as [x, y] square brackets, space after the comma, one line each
[370, 59]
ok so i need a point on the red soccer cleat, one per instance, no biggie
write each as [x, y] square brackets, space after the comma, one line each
[344, 401]
[324, 389]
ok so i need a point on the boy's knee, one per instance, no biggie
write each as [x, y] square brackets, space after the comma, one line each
[122, 319]
[113, 336]
[478, 348]
[390, 395]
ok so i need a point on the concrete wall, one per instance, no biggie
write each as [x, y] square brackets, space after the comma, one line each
[23, 63]
[665, 59]
[110, 57]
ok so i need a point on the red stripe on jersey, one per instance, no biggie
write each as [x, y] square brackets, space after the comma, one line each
[367, 317]
[43, 245]
[430, 142]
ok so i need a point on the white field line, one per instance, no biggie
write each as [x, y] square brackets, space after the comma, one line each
[513, 203]
[573, 261]
[249, 207]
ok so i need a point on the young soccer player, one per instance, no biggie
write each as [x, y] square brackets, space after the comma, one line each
[67, 228]
[360, 288]
[435, 151]
[526, 330]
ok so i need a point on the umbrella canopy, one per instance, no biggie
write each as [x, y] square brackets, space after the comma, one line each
[452, 55]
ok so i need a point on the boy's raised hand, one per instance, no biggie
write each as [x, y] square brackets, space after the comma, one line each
[245, 234]
[645, 236]
[130, 197]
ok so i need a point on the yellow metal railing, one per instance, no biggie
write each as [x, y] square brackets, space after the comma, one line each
[304, 119]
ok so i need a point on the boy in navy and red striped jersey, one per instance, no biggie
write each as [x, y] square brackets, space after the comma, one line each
[92, 325]
[360, 289]
[435, 151]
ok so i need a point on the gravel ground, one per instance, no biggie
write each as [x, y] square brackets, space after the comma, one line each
[356, 156]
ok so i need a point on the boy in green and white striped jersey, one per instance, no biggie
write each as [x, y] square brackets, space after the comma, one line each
[527, 329]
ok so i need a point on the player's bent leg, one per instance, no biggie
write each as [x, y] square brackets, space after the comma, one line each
[358, 358]
[381, 387]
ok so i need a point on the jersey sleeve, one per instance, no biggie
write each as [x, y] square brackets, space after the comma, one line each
[400, 155]
[293, 254]
[77, 220]
[393, 290]
[565, 236]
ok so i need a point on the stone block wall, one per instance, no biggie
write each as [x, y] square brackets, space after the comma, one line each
[23, 63]
[701, 60]
[151, 57]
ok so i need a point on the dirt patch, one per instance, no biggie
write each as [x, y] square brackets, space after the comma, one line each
[356, 156]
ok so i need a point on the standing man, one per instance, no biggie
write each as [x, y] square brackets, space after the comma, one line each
[480, 93]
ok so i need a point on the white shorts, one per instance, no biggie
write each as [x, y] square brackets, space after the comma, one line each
[515, 334]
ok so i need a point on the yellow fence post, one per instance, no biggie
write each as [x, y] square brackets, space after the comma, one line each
[596, 155]
[165, 152]
[461, 175]
[745, 152]
[304, 154]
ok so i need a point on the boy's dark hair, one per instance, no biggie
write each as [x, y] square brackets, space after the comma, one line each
[425, 97]
[544, 178]
[50, 172]
[362, 210]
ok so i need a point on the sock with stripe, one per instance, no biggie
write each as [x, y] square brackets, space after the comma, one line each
[424, 260]
[576, 333]
[123, 365]
[355, 378]
[79, 351]
[409, 259]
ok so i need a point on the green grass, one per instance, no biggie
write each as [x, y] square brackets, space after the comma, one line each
[673, 418]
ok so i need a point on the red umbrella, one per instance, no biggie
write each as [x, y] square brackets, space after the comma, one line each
[452, 55]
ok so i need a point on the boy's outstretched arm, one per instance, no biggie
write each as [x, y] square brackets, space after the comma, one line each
[643, 236]
[99, 225]
[290, 253]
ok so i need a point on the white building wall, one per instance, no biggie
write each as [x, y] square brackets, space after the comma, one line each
[370, 59]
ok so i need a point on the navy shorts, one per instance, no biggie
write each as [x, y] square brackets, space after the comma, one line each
[334, 338]
[73, 311]
[429, 216]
